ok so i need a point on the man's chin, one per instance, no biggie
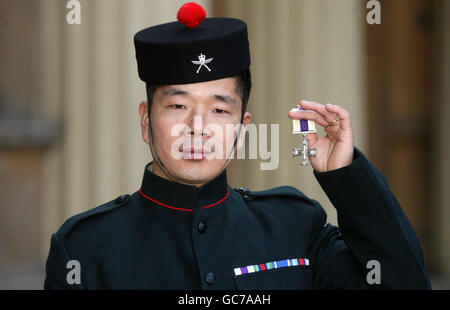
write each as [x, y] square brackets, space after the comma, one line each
[198, 171]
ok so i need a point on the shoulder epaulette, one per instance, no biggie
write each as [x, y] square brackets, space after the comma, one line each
[276, 191]
[68, 225]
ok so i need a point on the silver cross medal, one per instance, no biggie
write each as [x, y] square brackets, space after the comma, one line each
[202, 61]
[303, 126]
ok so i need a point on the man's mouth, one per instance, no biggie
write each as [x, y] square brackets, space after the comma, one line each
[194, 154]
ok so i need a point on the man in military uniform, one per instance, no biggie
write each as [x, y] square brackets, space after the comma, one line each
[186, 228]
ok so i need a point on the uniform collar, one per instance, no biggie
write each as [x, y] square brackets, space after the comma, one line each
[183, 197]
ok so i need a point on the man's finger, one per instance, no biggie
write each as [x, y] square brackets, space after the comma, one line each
[308, 115]
[320, 109]
[311, 138]
[344, 116]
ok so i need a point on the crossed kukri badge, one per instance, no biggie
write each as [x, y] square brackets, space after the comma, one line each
[202, 61]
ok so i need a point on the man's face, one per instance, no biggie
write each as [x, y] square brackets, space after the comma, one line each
[194, 129]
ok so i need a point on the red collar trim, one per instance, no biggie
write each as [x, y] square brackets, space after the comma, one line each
[182, 209]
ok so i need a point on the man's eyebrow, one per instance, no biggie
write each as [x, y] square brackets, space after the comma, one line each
[172, 92]
[226, 99]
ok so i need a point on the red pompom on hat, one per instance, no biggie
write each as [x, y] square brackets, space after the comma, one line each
[191, 14]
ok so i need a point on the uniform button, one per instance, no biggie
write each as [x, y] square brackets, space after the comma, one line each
[120, 199]
[244, 190]
[201, 227]
[210, 278]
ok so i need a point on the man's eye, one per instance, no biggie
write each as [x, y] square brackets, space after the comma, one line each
[220, 111]
[177, 106]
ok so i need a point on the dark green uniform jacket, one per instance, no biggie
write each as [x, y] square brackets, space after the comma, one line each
[173, 236]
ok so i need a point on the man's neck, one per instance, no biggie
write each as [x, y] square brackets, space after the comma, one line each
[159, 171]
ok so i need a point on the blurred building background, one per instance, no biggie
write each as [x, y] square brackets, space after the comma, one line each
[69, 94]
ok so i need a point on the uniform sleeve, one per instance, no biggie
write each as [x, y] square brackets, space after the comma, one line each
[56, 267]
[372, 226]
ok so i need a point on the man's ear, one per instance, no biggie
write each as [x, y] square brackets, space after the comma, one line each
[143, 114]
[241, 137]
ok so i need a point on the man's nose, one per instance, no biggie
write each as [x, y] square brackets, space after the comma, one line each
[196, 126]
